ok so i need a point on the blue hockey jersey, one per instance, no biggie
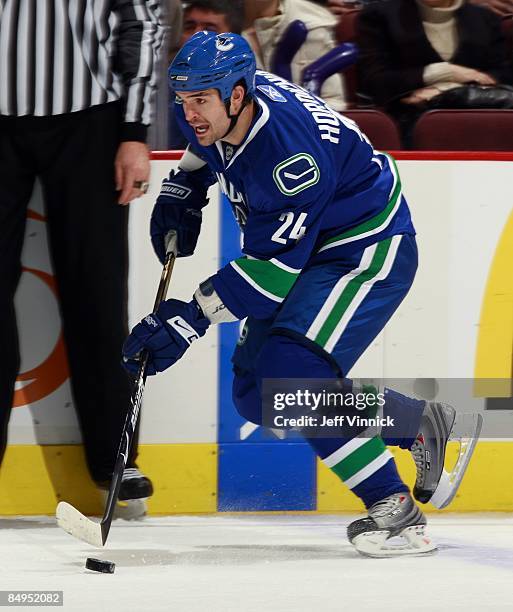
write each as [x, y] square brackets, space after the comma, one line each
[305, 184]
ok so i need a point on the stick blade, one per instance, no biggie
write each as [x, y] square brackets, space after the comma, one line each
[78, 525]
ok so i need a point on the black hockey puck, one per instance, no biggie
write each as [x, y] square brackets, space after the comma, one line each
[97, 565]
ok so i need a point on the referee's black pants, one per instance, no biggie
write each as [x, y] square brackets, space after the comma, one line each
[73, 156]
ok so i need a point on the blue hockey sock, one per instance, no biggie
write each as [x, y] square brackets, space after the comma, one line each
[382, 483]
[365, 465]
[406, 413]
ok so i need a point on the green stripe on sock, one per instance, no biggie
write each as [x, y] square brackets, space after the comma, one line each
[270, 277]
[358, 459]
[350, 292]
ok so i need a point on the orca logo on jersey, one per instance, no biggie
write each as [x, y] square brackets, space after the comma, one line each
[296, 174]
[272, 92]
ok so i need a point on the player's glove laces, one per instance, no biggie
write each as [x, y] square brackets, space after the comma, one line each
[166, 335]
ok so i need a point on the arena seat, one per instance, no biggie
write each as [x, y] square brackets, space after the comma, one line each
[379, 127]
[464, 130]
[346, 32]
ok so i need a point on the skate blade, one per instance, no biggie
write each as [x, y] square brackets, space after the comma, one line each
[129, 509]
[466, 431]
[376, 544]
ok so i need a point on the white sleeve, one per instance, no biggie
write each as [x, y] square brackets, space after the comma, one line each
[190, 161]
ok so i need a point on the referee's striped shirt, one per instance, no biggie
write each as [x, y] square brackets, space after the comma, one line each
[62, 56]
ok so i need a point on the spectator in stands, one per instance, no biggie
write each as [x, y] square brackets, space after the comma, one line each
[339, 7]
[266, 21]
[412, 50]
[213, 16]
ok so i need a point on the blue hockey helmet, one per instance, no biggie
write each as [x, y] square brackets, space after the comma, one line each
[210, 60]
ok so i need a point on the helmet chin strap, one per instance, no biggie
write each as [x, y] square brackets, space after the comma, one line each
[233, 118]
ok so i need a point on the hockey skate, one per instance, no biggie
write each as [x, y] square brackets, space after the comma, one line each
[396, 515]
[439, 423]
[134, 491]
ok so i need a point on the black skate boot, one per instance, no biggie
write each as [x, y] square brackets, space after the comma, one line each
[134, 485]
[396, 515]
[134, 490]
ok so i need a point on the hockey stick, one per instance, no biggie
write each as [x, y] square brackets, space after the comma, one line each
[68, 517]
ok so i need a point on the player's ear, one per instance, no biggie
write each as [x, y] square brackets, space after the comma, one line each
[238, 95]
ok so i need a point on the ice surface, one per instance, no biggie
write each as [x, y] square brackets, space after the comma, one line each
[261, 563]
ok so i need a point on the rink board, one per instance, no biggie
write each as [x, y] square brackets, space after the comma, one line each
[200, 454]
[35, 478]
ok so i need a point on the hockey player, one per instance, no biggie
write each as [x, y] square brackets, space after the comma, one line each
[329, 254]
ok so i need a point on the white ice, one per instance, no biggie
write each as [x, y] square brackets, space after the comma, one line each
[261, 563]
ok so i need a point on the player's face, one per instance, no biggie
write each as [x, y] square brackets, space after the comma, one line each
[206, 114]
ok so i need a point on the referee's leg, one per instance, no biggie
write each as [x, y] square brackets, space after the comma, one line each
[88, 238]
[16, 183]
